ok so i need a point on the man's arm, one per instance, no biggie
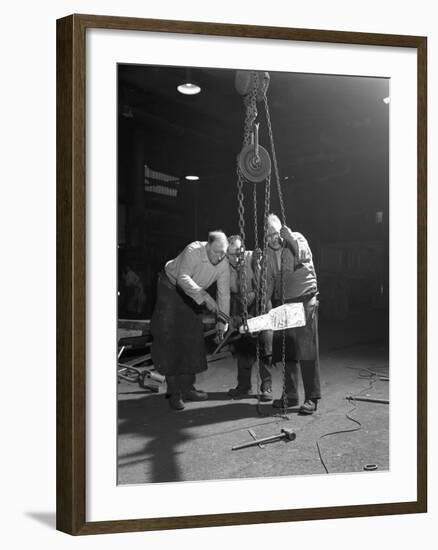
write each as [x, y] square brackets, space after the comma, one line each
[190, 258]
[223, 288]
[298, 243]
[223, 298]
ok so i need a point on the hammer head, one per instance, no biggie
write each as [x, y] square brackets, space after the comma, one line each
[289, 434]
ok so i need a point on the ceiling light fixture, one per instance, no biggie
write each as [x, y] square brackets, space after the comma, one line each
[188, 88]
[192, 178]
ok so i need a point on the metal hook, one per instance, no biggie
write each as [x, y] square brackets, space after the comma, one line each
[256, 141]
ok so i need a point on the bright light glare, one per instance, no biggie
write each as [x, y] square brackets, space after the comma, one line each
[188, 88]
[386, 100]
[192, 178]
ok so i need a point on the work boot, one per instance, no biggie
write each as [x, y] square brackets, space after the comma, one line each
[309, 406]
[239, 392]
[266, 394]
[175, 401]
[195, 395]
[243, 388]
[266, 383]
[288, 402]
[174, 394]
[190, 393]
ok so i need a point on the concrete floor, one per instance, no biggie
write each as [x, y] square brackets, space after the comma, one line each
[157, 444]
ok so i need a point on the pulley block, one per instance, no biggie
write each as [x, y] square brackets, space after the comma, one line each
[245, 80]
[255, 168]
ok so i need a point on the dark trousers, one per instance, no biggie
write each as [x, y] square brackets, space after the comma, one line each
[302, 347]
[244, 368]
[246, 357]
[310, 375]
[180, 384]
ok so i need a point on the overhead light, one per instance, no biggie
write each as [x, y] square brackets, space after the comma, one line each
[192, 178]
[188, 88]
[386, 100]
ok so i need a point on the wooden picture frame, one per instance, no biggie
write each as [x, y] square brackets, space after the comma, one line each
[71, 273]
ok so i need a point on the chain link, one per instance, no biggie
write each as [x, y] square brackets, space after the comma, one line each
[242, 263]
[264, 273]
[256, 228]
[256, 250]
[283, 216]
[240, 204]
[250, 102]
[274, 159]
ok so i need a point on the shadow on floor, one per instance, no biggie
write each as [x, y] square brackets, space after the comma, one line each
[156, 444]
[149, 418]
[45, 518]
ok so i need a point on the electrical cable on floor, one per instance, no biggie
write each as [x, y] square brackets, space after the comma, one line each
[372, 376]
[379, 374]
[336, 433]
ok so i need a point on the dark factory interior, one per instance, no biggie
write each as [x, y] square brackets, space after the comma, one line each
[331, 135]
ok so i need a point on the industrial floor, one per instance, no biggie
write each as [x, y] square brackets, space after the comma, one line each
[157, 444]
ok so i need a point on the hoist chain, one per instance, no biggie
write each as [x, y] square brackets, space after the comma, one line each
[263, 297]
[262, 281]
[256, 230]
[283, 219]
[240, 205]
[264, 273]
[241, 262]
[256, 261]
[283, 338]
[250, 102]
[274, 159]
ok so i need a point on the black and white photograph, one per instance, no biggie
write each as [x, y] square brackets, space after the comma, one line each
[253, 274]
[222, 217]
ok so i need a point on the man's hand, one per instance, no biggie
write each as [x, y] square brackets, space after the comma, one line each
[257, 255]
[221, 329]
[235, 322]
[287, 234]
[298, 244]
[210, 304]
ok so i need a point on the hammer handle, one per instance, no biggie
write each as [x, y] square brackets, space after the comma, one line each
[258, 442]
[253, 435]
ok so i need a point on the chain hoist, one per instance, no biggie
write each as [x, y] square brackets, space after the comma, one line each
[254, 166]
[250, 102]
[283, 221]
